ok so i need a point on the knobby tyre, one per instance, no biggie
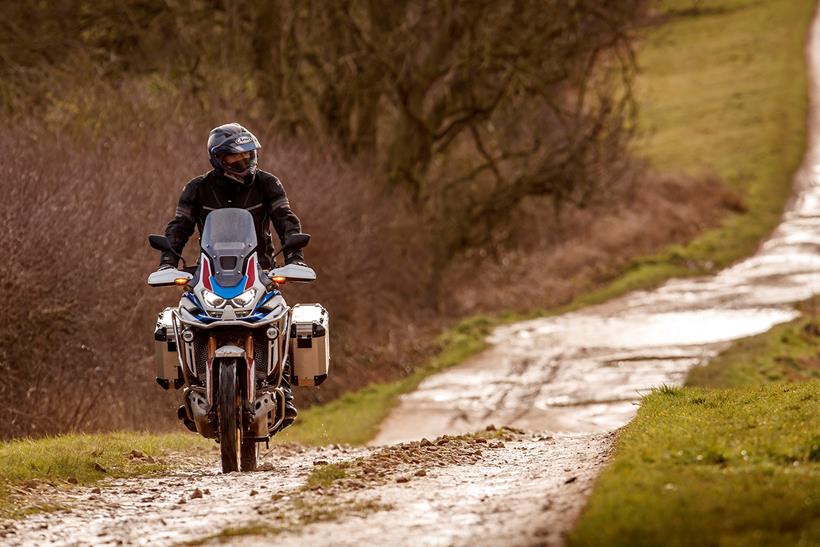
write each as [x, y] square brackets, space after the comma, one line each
[229, 426]
[250, 450]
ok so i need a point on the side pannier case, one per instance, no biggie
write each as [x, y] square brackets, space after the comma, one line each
[309, 344]
[165, 351]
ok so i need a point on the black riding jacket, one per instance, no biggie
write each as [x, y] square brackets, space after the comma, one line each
[264, 198]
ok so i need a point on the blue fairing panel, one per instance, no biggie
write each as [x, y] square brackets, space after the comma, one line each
[192, 297]
[229, 292]
[267, 297]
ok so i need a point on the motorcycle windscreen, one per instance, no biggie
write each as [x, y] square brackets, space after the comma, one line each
[228, 239]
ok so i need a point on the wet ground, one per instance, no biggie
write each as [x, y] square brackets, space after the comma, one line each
[574, 379]
[445, 491]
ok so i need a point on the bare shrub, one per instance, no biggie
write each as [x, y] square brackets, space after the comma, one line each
[547, 260]
[467, 107]
[76, 339]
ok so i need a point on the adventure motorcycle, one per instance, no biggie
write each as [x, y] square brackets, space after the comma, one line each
[233, 337]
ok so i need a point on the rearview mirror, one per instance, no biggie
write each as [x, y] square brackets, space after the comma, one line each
[295, 241]
[160, 243]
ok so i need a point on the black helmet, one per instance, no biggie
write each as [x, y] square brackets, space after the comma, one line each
[231, 139]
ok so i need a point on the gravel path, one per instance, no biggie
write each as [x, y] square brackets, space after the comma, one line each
[501, 486]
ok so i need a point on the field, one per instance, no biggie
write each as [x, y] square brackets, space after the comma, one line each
[713, 467]
[723, 90]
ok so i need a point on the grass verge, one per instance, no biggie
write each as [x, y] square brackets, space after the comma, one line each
[723, 90]
[713, 467]
[742, 462]
[63, 461]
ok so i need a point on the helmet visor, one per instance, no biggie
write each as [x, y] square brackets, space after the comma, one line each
[240, 163]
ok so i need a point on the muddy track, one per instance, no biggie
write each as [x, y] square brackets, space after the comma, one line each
[574, 379]
[500, 486]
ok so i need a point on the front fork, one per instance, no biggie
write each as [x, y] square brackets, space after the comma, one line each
[246, 376]
[254, 409]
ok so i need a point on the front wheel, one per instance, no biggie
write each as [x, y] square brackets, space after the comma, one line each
[230, 432]
[249, 453]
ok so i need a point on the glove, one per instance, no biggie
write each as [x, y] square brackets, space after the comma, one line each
[168, 259]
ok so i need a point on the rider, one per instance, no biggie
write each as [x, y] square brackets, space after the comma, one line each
[235, 181]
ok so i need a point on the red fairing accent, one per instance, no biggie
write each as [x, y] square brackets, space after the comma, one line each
[206, 273]
[251, 272]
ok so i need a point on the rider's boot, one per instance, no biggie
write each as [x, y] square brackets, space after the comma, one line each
[182, 414]
[290, 408]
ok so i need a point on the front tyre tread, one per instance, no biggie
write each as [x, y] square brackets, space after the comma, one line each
[228, 417]
[250, 450]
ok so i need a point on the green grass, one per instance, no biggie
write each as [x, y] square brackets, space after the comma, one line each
[722, 92]
[83, 459]
[787, 353]
[713, 467]
[325, 475]
[701, 465]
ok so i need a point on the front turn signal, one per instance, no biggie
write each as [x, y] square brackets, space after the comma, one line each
[180, 281]
[280, 279]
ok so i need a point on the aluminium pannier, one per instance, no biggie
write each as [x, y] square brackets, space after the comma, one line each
[309, 344]
[165, 351]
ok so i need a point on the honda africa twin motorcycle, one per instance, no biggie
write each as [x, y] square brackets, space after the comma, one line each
[233, 337]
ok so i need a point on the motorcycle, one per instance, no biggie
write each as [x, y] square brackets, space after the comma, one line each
[233, 338]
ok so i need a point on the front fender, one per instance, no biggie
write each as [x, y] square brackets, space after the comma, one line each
[227, 352]
[246, 369]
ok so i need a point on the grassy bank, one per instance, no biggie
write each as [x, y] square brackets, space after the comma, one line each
[742, 462]
[26, 465]
[713, 467]
[723, 90]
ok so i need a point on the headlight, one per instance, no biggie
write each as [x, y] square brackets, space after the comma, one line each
[244, 299]
[213, 299]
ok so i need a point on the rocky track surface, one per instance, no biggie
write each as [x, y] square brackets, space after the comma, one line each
[498, 486]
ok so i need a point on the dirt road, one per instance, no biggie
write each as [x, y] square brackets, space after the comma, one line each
[567, 381]
[500, 486]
